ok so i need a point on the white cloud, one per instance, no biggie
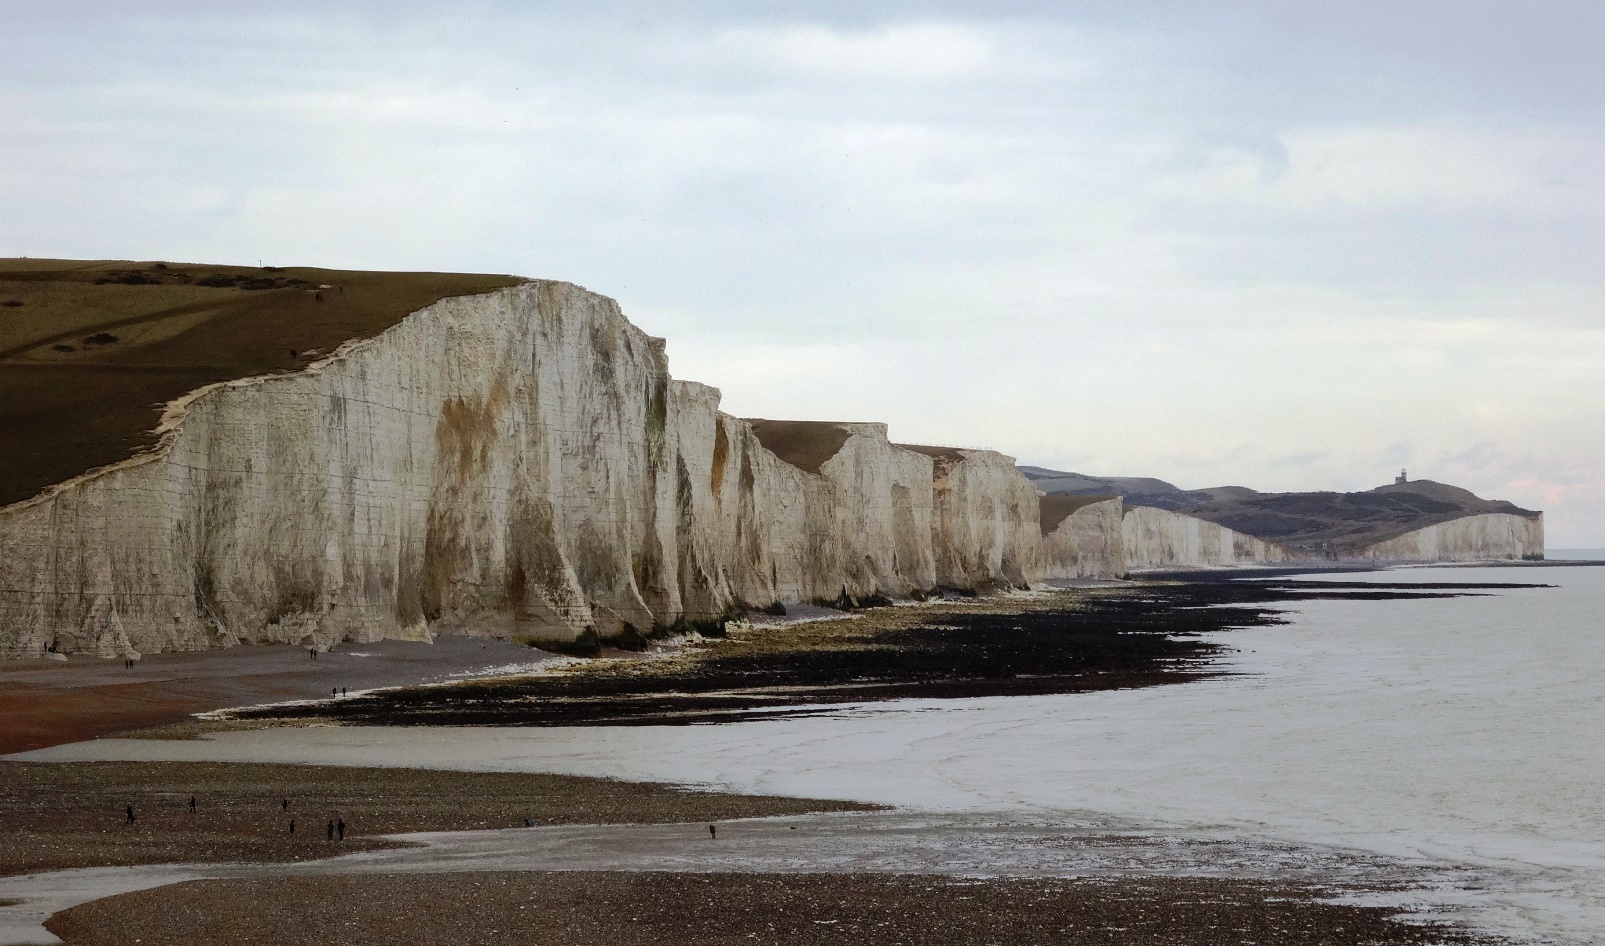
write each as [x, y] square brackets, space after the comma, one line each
[1091, 244]
[1382, 168]
[920, 52]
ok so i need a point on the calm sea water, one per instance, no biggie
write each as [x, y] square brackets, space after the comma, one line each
[1462, 731]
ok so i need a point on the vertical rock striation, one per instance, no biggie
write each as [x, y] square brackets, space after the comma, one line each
[489, 465]
[984, 526]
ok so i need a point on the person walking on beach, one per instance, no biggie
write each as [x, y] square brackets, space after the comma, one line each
[192, 804]
[713, 832]
[129, 811]
[331, 830]
[313, 651]
[286, 803]
[292, 825]
[340, 828]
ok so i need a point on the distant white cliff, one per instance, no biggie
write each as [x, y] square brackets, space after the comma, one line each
[1480, 538]
[1158, 538]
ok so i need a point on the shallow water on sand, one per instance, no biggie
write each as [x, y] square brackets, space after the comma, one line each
[1461, 731]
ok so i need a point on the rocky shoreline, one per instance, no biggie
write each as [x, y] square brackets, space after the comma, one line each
[1106, 638]
[70, 815]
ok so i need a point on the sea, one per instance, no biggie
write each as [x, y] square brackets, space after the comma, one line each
[1460, 731]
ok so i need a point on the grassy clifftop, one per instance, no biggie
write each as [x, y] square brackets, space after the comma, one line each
[91, 351]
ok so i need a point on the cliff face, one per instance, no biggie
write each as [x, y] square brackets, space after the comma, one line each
[486, 464]
[1482, 538]
[1158, 538]
[838, 510]
[516, 463]
[985, 520]
[1083, 537]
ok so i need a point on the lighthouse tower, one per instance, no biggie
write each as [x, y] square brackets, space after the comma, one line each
[1403, 478]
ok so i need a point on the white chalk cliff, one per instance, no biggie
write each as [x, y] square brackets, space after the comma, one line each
[516, 463]
[1159, 538]
[1480, 538]
[520, 464]
[1083, 537]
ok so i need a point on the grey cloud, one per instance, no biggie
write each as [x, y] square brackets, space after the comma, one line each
[1120, 234]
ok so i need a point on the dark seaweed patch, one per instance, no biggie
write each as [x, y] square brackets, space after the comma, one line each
[1144, 636]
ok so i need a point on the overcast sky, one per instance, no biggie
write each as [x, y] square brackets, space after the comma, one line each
[1289, 245]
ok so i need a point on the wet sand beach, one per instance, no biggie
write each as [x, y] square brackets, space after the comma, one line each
[51, 702]
[574, 908]
[70, 815]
